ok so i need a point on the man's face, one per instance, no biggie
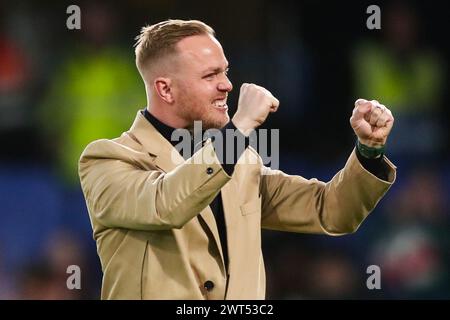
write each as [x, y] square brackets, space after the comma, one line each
[200, 84]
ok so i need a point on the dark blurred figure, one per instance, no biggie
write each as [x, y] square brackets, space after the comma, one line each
[302, 269]
[93, 93]
[27, 52]
[332, 275]
[46, 278]
[409, 77]
[37, 282]
[290, 66]
[288, 268]
[413, 250]
[15, 86]
[7, 283]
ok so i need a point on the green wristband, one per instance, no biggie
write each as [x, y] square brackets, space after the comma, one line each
[369, 152]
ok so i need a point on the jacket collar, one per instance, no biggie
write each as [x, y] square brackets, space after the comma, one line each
[166, 157]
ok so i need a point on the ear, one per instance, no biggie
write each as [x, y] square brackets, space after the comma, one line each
[163, 88]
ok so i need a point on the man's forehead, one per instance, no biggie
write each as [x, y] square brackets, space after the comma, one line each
[200, 48]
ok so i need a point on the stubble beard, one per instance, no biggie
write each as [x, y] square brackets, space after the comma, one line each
[208, 116]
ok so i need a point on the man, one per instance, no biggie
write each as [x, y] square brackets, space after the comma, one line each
[174, 228]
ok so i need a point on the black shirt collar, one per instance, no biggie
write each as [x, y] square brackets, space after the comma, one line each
[163, 129]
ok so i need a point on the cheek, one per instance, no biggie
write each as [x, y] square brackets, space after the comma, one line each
[197, 96]
[202, 95]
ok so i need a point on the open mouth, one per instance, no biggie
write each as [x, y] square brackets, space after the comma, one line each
[220, 104]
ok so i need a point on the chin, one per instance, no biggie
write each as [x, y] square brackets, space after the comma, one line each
[222, 122]
[216, 123]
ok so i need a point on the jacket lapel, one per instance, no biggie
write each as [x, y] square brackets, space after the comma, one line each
[167, 158]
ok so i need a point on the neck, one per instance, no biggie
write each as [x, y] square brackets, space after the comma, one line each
[166, 117]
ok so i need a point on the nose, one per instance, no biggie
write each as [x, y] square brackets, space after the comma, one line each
[225, 85]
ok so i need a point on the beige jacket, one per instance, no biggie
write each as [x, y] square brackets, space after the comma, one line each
[157, 237]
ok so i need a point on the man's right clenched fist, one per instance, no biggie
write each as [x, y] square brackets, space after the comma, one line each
[254, 105]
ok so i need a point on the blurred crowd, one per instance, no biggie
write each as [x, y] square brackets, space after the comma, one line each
[61, 89]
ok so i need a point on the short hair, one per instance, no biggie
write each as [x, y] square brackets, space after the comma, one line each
[159, 40]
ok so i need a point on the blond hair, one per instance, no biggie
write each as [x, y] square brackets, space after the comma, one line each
[159, 40]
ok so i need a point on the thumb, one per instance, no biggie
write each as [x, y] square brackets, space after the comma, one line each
[362, 107]
[275, 104]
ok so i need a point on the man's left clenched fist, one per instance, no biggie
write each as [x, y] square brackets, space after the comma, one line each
[371, 122]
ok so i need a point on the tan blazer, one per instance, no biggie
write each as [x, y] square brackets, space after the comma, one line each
[157, 237]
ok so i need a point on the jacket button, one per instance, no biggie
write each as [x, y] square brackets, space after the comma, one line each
[208, 285]
[209, 170]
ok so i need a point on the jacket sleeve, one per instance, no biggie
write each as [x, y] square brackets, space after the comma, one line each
[121, 194]
[293, 203]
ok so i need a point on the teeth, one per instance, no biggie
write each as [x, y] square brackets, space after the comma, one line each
[220, 103]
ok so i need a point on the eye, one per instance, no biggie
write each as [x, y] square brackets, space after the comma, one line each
[209, 76]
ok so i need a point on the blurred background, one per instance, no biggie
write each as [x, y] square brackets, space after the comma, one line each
[61, 89]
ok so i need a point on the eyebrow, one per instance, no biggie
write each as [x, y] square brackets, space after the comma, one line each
[216, 70]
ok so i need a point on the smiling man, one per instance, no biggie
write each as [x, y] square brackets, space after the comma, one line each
[169, 227]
